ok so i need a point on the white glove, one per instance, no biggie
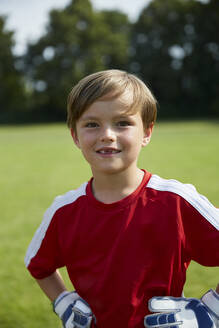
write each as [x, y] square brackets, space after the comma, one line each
[73, 310]
[184, 312]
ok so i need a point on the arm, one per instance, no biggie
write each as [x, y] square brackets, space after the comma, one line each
[52, 286]
[69, 306]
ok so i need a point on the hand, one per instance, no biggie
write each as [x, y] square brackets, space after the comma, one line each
[73, 310]
[184, 312]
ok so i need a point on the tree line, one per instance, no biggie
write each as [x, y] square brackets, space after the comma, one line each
[173, 46]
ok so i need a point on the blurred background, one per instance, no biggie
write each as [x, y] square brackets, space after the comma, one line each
[47, 46]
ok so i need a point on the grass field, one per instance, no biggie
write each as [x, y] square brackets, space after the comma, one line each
[39, 162]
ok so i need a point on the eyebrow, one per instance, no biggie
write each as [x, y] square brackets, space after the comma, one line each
[89, 118]
[96, 118]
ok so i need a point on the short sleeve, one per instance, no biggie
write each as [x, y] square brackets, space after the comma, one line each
[43, 255]
[44, 258]
[201, 228]
[198, 218]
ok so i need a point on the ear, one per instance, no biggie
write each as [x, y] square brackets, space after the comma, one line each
[75, 138]
[147, 135]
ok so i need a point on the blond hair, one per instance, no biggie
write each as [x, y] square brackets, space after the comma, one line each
[111, 84]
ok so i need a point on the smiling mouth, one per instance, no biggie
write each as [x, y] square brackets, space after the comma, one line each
[108, 151]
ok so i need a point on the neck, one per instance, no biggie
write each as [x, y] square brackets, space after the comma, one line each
[114, 187]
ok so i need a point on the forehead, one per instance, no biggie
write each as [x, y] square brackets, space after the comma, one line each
[110, 105]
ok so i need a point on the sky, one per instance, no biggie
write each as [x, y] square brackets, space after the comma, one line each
[28, 18]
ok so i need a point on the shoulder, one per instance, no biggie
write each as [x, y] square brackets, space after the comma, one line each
[61, 201]
[66, 199]
[189, 193]
[58, 203]
[171, 185]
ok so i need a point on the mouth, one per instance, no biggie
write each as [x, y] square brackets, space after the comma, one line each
[108, 151]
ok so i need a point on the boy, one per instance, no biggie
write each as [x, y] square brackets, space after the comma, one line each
[126, 236]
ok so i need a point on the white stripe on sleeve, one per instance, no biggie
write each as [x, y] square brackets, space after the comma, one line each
[190, 194]
[59, 202]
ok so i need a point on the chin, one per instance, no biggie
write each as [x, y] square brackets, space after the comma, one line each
[110, 170]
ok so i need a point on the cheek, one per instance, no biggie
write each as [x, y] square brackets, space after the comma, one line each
[85, 140]
[133, 138]
[86, 147]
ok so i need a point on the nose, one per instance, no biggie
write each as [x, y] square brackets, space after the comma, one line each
[107, 134]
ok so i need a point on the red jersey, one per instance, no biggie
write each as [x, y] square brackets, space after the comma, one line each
[119, 255]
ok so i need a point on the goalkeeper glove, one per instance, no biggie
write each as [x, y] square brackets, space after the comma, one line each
[73, 310]
[184, 312]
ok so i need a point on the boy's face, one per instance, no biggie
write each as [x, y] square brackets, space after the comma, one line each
[109, 137]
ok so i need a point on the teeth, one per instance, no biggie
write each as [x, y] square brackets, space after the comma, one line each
[109, 151]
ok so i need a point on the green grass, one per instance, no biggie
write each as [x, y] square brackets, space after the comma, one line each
[39, 162]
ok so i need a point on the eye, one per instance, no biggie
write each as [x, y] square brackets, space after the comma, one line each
[123, 123]
[91, 125]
